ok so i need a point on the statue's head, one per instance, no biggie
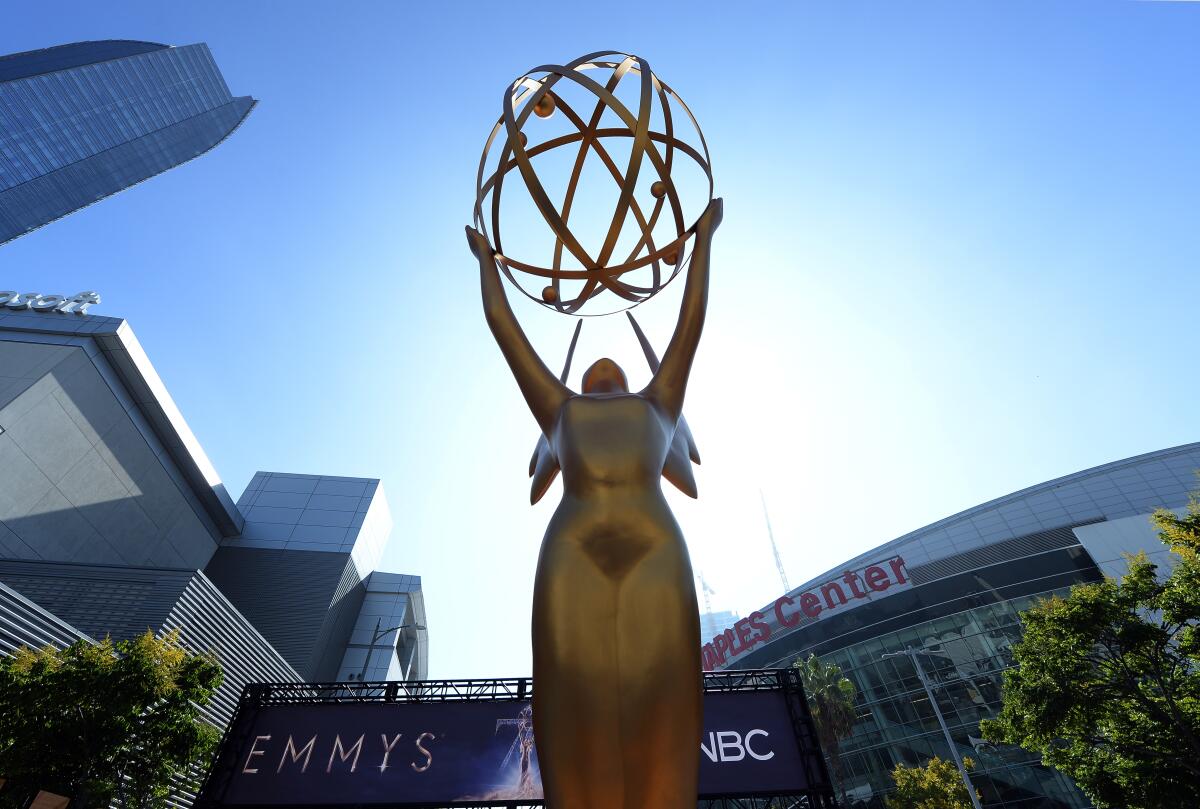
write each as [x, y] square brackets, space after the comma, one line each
[605, 376]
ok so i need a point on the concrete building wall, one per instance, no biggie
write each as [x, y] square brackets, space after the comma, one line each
[81, 479]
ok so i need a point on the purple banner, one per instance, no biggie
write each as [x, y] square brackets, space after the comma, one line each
[451, 752]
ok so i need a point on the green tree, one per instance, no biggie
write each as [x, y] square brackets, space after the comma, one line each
[831, 700]
[103, 723]
[1107, 687]
[937, 785]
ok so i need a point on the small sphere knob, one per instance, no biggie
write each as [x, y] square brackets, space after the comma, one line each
[658, 189]
[544, 107]
[550, 294]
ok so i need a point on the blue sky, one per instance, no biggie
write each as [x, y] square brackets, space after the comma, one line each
[959, 258]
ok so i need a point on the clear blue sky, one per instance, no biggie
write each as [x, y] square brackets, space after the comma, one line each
[960, 256]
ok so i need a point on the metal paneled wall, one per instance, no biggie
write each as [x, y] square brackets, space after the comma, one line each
[207, 622]
[298, 600]
[99, 599]
[125, 602]
[24, 623]
[84, 477]
[339, 622]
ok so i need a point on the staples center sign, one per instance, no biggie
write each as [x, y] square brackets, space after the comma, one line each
[60, 304]
[813, 604]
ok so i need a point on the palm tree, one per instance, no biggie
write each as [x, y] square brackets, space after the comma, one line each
[831, 700]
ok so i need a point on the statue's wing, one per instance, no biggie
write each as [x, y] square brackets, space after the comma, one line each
[543, 466]
[678, 466]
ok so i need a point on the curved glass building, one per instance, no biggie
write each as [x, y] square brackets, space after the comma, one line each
[955, 589]
[83, 121]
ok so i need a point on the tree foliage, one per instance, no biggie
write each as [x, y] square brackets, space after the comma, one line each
[1107, 686]
[937, 785]
[103, 723]
[831, 701]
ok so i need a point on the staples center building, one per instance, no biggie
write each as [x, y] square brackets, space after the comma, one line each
[955, 588]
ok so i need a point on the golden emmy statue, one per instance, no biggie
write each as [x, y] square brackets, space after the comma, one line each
[617, 704]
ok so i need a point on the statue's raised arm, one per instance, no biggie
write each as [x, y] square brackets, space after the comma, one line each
[669, 384]
[542, 391]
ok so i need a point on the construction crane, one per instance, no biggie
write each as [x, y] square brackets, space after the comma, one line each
[787, 588]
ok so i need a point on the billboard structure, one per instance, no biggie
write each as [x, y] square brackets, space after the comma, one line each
[469, 743]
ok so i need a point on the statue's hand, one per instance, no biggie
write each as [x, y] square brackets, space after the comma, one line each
[494, 299]
[711, 218]
[478, 243]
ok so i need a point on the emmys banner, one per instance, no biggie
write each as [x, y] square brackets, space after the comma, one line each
[460, 752]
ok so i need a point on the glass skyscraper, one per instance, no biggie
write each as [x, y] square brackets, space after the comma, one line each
[82, 121]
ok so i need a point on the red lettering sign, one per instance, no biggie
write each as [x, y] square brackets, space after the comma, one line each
[735, 648]
[742, 628]
[788, 618]
[810, 605]
[851, 578]
[721, 644]
[827, 590]
[877, 579]
[756, 622]
[827, 596]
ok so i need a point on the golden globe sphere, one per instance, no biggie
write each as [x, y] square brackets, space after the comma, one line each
[646, 242]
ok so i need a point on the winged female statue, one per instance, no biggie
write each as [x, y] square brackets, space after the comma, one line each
[617, 703]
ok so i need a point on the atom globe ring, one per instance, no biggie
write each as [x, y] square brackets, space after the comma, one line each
[653, 152]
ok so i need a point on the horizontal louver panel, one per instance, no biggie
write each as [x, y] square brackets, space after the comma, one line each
[1005, 551]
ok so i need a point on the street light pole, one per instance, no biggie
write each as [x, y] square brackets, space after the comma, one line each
[911, 654]
[374, 639]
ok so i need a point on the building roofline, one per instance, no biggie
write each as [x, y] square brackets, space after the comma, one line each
[114, 338]
[991, 505]
[252, 103]
[84, 42]
[134, 47]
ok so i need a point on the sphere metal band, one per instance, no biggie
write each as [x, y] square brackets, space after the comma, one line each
[600, 272]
